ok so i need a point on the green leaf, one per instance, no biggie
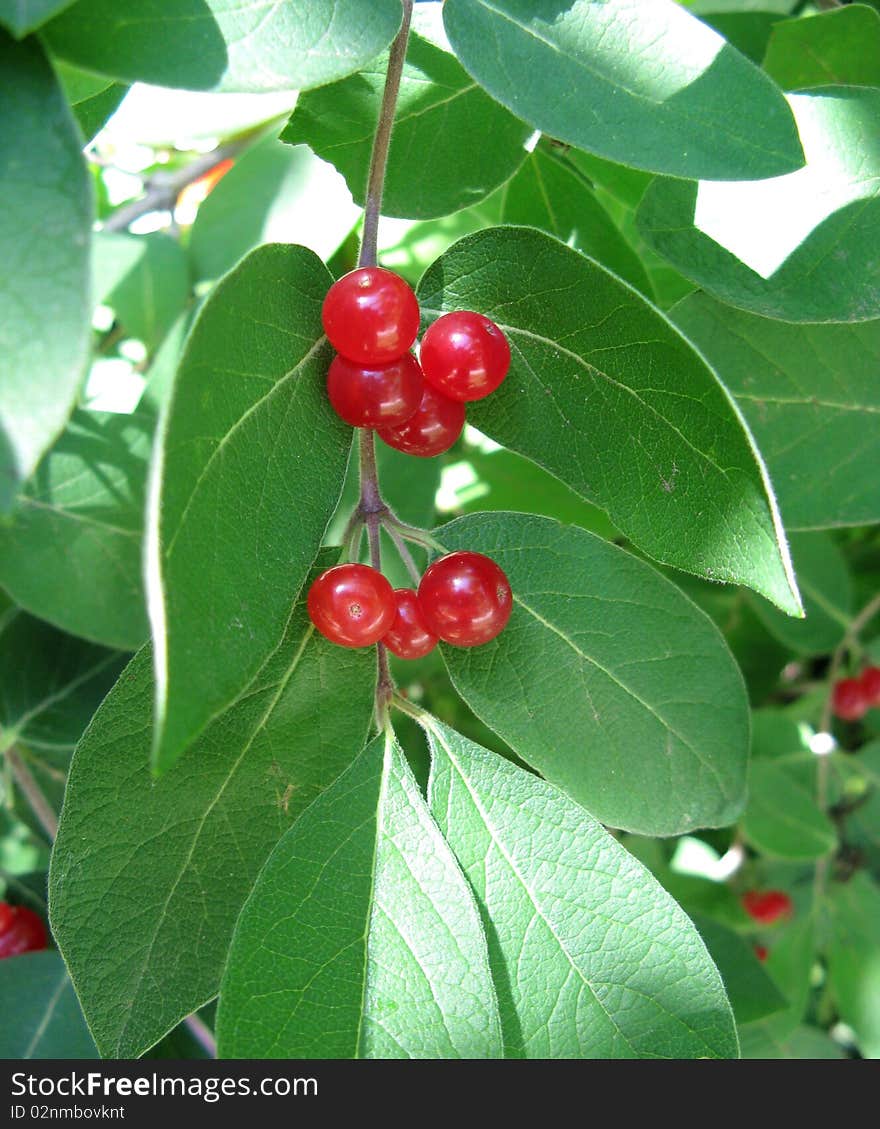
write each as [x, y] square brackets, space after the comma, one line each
[92, 98]
[790, 963]
[811, 399]
[661, 92]
[853, 963]
[591, 957]
[24, 16]
[606, 679]
[144, 279]
[148, 876]
[752, 993]
[801, 247]
[361, 937]
[44, 232]
[273, 193]
[824, 581]
[251, 465]
[841, 47]
[37, 991]
[71, 554]
[802, 1043]
[782, 818]
[52, 683]
[451, 145]
[552, 195]
[502, 480]
[606, 395]
[748, 32]
[224, 44]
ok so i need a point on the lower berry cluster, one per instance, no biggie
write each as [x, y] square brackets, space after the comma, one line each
[463, 598]
[21, 931]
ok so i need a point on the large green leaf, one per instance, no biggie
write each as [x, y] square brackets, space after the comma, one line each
[832, 48]
[801, 247]
[607, 679]
[148, 876]
[824, 582]
[810, 395]
[273, 194]
[606, 395]
[551, 194]
[854, 958]
[783, 819]
[43, 1016]
[591, 957]
[451, 146]
[250, 467]
[646, 85]
[71, 553]
[144, 279]
[44, 234]
[50, 685]
[361, 937]
[23, 16]
[224, 44]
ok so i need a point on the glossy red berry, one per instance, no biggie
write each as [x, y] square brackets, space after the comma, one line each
[375, 395]
[371, 316]
[432, 430]
[21, 931]
[466, 599]
[848, 699]
[409, 637]
[464, 355]
[767, 906]
[352, 605]
[870, 683]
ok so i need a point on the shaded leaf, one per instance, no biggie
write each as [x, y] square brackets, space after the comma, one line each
[854, 958]
[361, 937]
[752, 993]
[44, 232]
[148, 876]
[800, 247]
[251, 465]
[782, 818]
[23, 16]
[72, 552]
[606, 679]
[93, 98]
[37, 991]
[224, 44]
[811, 398]
[606, 395]
[840, 47]
[591, 957]
[460, 141]
[144, 279]
[648, 86]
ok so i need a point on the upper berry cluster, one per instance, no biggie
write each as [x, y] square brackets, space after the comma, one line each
[851, 698]
[371, 318]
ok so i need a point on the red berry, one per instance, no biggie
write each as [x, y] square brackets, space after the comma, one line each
[761, 952]
[848, 699]
[432, 430]
[352, 605]
[870, 682]
[21, 931]
[767, 906]
[466, 599]
[375, 395]
[409, 637]
[464, 355]
[371, 316]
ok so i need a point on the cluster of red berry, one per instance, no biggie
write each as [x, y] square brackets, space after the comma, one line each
[767, 907]
[371, 318]
[851, 698]
[21, 931]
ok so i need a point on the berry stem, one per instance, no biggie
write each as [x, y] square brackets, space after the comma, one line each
[33, 793]
[405, 555]
[410, 533]
[382, 141]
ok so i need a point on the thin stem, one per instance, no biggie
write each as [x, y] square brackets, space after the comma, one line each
[371, 501]
[405, 555]
[410, 533]
[202, 1034]
[162, 188]
[382, 141]
[33, 793]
